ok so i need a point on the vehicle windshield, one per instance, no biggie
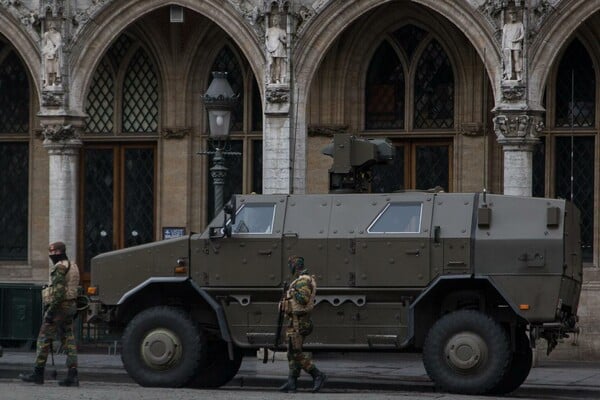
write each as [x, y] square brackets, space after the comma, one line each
[254, 219]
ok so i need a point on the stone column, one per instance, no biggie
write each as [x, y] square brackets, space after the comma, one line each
[517, 132]
[63, 148]
[277, 131]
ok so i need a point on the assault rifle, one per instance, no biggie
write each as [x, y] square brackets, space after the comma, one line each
[280, 317]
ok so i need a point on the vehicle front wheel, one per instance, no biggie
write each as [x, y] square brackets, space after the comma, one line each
[162, 347]
[520, 365]
[466, 352]
[217, 369]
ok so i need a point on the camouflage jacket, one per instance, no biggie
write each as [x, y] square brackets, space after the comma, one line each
[64, 278]
[301, 294]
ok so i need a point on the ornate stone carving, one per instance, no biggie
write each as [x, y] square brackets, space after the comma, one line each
[52, 99]
[513, 33]
[175, 133]
[509, 128]
[278, 95]
[276, 45]
[513, 93]
[52, 57]
[327, 130]
[542, 9]
[58, 133]
[471, 129]
[28, 18]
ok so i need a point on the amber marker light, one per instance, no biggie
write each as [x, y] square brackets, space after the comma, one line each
[92, 290]
[524, 307]
[180, 270]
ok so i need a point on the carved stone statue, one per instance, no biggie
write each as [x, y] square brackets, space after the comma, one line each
[52, 54]
[513, 33]
[276, 44]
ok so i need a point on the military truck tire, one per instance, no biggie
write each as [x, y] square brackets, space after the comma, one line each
[162, 347]
[466, 352]
[520, 365]
[217, 369]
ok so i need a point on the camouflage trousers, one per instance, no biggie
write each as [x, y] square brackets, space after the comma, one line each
[299, 328]
[61, 328]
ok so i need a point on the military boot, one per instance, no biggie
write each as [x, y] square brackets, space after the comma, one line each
[71, 380]
[37, 376]
[290, 385]
[319, 379]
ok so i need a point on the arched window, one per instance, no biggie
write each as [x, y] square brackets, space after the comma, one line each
[385, 90]
[575, 88]
[134, 100]
[434, 89]
[14, 155]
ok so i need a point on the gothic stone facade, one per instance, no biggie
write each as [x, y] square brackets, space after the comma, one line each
[101, 118]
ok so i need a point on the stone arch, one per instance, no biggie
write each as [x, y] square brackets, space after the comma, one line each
[555, 33]
[122, 14]
[25, 46]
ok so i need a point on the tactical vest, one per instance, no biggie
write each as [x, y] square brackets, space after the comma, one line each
[72, 281]
[303, 308]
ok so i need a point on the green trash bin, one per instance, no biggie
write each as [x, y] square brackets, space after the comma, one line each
[20, 313]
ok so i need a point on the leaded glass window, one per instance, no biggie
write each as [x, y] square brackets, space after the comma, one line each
[575, 159]
[100, 100]
[257, 108]
[434, 89]
[14, 95]
[119, 49]
[385, 90]
[390, 177]
[576, 88]
[226, 62]
[140, 95]
[432, 167]
[14, 191]
[257, 166]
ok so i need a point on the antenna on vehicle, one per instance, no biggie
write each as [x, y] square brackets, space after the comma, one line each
[572, 123]
[485, 103]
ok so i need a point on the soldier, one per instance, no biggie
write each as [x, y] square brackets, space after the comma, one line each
[60, 301]
[297, 305]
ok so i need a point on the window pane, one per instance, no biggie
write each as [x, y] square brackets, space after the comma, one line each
[14, 96]
[385, 90]
[100, 101]
[539, 169]
[98, 192]
[14, 190]
[434, 89]
[140, 96]
[257, 166]
[398, 218]
[234, 179]
[576, 79]
[255, 218]
[226, 62]
[390, 177]
[139, 196]
[432, 167]
[257, 108]
[582, 148]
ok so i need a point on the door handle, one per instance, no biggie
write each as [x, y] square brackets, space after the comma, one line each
[265, 252]
[416, 252]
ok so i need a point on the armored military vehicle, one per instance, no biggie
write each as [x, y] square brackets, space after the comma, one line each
[471, 280]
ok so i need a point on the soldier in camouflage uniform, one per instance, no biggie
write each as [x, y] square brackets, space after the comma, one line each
[297, 305]
[60, 301]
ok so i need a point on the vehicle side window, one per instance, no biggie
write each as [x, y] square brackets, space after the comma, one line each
[398, 218]
[254, 218]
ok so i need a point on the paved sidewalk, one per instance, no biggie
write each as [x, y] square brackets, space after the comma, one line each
[366, 371]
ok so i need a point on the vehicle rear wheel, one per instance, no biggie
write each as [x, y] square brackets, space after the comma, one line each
[162, 347]
[217, 369]
[466, 352]
[520, 365]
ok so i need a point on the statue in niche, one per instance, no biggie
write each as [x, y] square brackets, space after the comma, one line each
[276, 44]
[51, 54]
[513, 33]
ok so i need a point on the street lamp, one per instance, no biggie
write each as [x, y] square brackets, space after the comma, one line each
[219, 101]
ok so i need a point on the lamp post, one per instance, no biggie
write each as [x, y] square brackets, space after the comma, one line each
[219, 101]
